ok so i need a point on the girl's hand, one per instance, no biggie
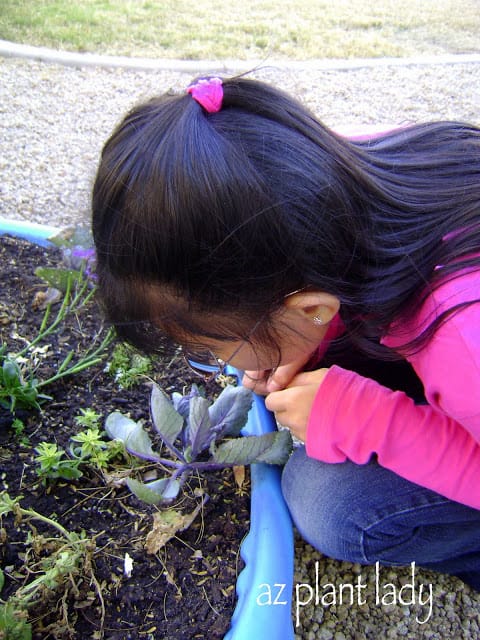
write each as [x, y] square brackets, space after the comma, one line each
[292, 406]
[267, 381]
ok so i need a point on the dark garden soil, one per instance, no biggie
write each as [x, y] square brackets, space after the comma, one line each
[184, 591]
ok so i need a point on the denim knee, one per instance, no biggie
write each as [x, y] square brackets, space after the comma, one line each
[321, 501]
[365, 513]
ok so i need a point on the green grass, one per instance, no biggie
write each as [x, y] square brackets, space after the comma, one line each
[246, 29]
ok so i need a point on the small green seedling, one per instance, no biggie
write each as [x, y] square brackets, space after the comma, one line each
[16, 390]
[88, 418]
[18, 428]
[127, 366]
[87, 447]
[52, 463]
[199, 434]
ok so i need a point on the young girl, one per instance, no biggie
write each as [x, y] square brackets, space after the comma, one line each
[342, 276]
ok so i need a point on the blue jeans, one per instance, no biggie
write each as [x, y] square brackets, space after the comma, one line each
[365, 514]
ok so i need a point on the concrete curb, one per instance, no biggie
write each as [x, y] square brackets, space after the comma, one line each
[43, 54]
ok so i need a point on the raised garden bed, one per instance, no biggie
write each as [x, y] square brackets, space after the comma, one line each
[187, 588]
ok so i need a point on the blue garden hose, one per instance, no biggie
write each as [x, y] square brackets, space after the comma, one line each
[37, 233]
[264, 587]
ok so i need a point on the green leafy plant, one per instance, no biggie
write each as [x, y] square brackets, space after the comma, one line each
[88, 418]
[52, 463]
[20, 387]
[14, 623]
[87, 447]
[18, 427]
[128, 366]
[70, 554]
[16, 391]
[200, 436]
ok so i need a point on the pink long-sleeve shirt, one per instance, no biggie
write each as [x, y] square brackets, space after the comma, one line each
[435, 445]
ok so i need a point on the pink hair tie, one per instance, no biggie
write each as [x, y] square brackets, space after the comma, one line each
[208, 92]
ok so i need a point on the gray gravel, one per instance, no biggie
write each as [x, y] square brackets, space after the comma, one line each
[54, 119]
[53, 123]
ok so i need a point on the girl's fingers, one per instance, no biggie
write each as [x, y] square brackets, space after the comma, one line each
[256, 381]
[280, 401]
[271, 380]
[290, 410]
[292, 406]
[282, 376]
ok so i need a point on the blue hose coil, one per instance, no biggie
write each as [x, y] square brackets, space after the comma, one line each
[37, 233]
[264, 587]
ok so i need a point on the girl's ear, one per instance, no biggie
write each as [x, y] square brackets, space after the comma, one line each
[316, 306]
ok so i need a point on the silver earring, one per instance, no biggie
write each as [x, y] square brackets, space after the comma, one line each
[317, 320]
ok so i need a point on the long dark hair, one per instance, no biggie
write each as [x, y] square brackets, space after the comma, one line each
[204, 222]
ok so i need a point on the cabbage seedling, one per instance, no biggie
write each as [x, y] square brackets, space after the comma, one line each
[199, 434]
